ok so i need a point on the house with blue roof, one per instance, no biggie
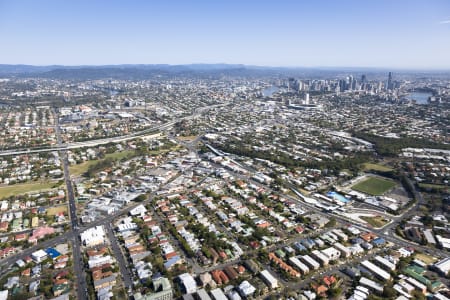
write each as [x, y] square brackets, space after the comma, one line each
[172, 261]
[52, 253]
[378, 242]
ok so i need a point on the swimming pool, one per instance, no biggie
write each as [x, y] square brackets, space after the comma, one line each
[338, 197]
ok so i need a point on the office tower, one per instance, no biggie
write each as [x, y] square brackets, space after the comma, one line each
[390, 84]
[354, 84]
[363, 78]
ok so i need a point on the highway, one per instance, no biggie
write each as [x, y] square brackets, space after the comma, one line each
[96, 142]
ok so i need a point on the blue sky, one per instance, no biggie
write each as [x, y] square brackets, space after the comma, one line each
[382, 33]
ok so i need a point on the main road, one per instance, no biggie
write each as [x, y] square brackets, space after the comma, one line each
[80, 274]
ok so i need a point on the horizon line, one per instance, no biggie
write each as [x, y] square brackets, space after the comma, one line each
[412, 68]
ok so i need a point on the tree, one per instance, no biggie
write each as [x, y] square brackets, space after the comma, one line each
[418, 295]
[389, 292]
[331, 223]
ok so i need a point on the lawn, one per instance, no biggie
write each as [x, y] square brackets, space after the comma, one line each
[376, 167]
[374, 186]
[376, 221]
[23, 188]
[120, 155]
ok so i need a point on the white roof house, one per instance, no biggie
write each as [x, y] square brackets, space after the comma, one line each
[268, 278]
[39, 255]
[188, 282]
[380, 273]
[217, 294]
[443, 266]
[246, 289]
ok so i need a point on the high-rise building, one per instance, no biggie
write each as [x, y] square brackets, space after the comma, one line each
[363, 78]
[390, 83]
[307, 98]
[342, 85]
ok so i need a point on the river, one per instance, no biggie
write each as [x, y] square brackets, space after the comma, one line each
[420, 97]
[270, 91]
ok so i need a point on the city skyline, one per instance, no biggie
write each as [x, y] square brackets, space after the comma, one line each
[400, 35]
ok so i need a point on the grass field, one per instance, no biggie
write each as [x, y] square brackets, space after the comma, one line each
[374, 186]
[376, 167]
[57, 209]
[376, 222]
[82, 168]
[23, 188]
[120, 155]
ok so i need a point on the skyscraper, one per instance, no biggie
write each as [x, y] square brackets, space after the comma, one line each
[363, 78]
[390, 83]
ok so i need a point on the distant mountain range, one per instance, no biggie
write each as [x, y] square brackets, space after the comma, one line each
[129, 71]
[141, 71]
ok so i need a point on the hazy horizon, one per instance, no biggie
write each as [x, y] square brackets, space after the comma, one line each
[325, 68]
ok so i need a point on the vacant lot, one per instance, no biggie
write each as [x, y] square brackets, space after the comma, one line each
[426, 258]
[52, 211]
[23, 188]
[376, 221]
[374, 186]
[187, 138]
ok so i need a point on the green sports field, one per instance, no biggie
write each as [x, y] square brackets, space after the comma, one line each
[374, 186]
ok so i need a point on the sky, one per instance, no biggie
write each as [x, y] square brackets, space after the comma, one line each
[396, 34]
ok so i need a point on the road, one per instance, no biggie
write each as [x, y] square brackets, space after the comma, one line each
[80, 274]
[118, 254]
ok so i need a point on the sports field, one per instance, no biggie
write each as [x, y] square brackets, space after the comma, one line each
[374, 186]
